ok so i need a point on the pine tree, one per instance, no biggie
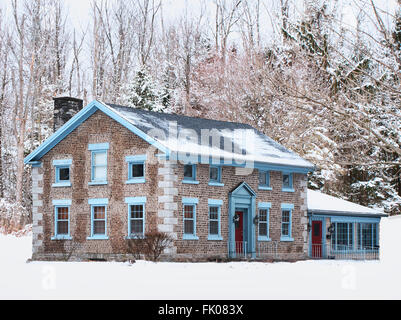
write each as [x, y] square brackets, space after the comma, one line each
[144, 93]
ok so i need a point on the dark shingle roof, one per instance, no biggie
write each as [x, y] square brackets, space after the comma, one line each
[263, 148]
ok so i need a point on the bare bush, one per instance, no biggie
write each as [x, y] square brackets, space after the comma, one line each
[151, 246]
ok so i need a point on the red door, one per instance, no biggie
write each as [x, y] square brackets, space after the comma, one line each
[239, 233]
[316, 239]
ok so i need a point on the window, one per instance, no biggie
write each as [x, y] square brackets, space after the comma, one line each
[61, 219]
[99, 166]
[287, 182]
[136, 220]
[136, 169]
[214, 221]
[190, 174]
[367, 236]
[189, 218]
[62, 173]
[286, 222]
[98, 219]
[342, 237]
[215, 176]
[264, 180]
[263, 223]
[136, 217]
[99, 163]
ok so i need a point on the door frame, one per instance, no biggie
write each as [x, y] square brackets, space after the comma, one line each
[242, 198]
[323, 220]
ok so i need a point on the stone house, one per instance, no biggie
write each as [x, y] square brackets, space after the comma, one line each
[220, 189]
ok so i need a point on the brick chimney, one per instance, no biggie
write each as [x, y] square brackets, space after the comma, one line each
[64, 109]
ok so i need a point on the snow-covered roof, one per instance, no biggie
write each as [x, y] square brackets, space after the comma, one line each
[256, 146]
[324, 204]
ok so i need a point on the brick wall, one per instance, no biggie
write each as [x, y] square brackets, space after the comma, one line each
[164, 191]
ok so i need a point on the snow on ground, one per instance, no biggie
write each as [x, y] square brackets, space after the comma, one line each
[236, 280]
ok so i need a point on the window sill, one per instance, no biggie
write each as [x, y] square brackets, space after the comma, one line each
[98, 183]
[265, 188]
[288, 190]
[216, 184]
[190, 237]
[286, 239]
[97, 238]
[55, 238]
[264, 239]
[135, 181]
[135, 237]
[215, 238]
[61, 185]
[190, 182]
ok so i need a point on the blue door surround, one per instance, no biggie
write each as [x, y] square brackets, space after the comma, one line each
[243, 197]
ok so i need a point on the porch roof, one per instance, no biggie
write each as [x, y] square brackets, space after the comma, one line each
[320, 203]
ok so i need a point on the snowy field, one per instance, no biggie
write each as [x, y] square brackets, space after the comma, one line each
[146, 280]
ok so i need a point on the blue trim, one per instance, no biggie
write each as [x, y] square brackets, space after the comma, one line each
[135, 160]
[190, 200]
[264, 205]
[135, 200]
[98, 203]
[99, 146]
[194, 203]
[104, 201]
[36, 164]
[56, 220]
[266, 186]
[140, 201]
[64, 202]
[190, 182]
[77, 120]
[61, 185]
[289, 188]
[287, 207]
[94, 182]
[135, 181]
[215, 202]
[139, 158]
[64, 163]
[216, 184]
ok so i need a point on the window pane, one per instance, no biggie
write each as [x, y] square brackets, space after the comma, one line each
[188, 212]
[285, 229]
[137, 226]
[263, 215]
[286, 216]
[137, 170]
[188, 173]
[99, 213]
[137, 212]
[189, 227]
[262, 178]
[214, 227]
[213, 213]
[64, 174]
[100, 173]
[263, 229]
[99, 227]
[62, 227]
[214, 174]
[99, 159]
[62, 213]
[286, 180]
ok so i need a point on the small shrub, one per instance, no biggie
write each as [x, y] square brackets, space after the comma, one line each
[151, 246]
